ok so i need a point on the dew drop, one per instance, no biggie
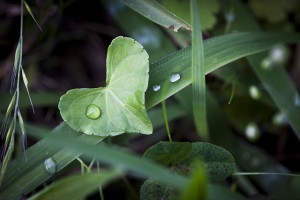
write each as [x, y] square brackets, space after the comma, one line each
[93, 111]
[156, 88]
[174, 77]
[50, 165]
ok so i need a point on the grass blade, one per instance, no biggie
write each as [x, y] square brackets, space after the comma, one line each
[26, 86]
[198, 74]
[31, 174]
[23, 132]
[31, 14]
[158, 14]
[115, 157]
[275, 80]
[197, 186]
[17, 63]
[8, 151]
[77, 186]
[218, 51]
[24, 175]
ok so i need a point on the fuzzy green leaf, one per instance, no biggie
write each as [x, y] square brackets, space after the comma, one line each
[153, 190]
[218, 162]
[120, 106]
[169, 153]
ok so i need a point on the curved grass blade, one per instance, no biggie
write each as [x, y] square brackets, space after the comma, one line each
[198, 74]
[24, 175]
[77, 186]
[9, 134]
[115, 157]
[25, 81]
[276, 80]
[21, 172]
[158, 14]
[218, 51]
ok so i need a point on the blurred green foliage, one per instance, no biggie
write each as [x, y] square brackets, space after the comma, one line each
[70, 53]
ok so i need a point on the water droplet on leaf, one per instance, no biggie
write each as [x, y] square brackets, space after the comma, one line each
[50, 165]
[156, 88]
[93, 111]
[174, 77]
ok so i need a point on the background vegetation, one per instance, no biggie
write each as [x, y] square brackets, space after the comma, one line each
[247, 100]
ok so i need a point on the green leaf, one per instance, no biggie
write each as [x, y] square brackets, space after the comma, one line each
[169, 153]
[158, 14]
[207, 11]
[218, 162]
[274, 11]
[153, 190]
[120, 106]
[77, 186]
[198, 74]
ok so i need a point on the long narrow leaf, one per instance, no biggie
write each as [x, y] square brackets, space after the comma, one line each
[115, 157]
[74, 144]
[198, 74]
[24, 175]
[275, 80]
[77, 186]
[218, 51]
[158, 14]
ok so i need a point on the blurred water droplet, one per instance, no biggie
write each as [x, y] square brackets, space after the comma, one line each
[93, 111]
[230, 17]
[254, 92]
[174, 77]
[279, 119]
[278, 54]
[156, 88]
[266, 63]
[252, 132]
[297, 100]
[50, 165]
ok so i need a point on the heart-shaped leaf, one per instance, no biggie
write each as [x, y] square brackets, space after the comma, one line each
[120, 106]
